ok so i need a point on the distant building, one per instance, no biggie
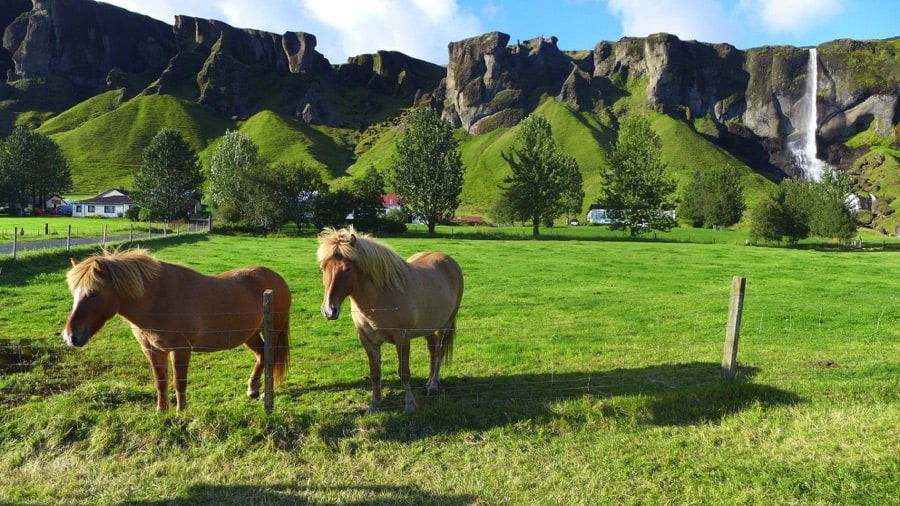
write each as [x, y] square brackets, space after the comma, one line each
[109, 204]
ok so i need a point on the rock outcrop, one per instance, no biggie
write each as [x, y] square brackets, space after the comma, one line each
[83, 41]
[755, 97]
[92, 45]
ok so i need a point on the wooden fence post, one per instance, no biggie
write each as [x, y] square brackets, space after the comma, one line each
[69, 239]
[15, 241]
[733, 330]
[268, 387]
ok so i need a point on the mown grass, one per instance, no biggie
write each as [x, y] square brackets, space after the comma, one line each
[586, 372]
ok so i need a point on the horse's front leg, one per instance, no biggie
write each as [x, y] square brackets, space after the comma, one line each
[373, 352]
[160, 368]
[403, 370]
[181, 358]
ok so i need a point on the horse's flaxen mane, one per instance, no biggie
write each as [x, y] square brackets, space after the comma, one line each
[383, 265]
[125, 270]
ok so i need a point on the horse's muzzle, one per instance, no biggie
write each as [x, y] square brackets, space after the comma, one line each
[77, 339]
[331, 312]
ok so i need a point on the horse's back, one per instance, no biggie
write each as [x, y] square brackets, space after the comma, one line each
[255, 280]
[442, 267]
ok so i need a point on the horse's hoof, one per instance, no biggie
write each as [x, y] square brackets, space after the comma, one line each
[431, 392]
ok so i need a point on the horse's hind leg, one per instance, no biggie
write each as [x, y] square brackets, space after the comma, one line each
[255, 344]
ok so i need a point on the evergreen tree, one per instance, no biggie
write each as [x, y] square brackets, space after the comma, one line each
[169, 181]
[32, 167]
[544, 182]
[713, 198]
[832, 216]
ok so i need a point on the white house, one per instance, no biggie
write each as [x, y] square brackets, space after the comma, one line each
[109, 204]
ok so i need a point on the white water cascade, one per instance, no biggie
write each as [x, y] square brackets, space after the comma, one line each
[804, 149]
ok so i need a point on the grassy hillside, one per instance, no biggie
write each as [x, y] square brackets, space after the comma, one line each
[103, 139]
[286, 140]
[105, 151]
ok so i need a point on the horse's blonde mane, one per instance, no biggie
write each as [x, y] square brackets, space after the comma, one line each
[125, 270]
[379, 262]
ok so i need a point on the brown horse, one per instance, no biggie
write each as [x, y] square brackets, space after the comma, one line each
[174, 310]
[391, 300]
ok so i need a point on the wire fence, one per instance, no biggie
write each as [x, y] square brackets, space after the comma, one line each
[16, 241]
[500, 360]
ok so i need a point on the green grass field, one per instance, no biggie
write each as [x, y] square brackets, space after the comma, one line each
[586, 371]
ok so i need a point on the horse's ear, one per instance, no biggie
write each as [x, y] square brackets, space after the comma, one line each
[352, 239]
[74, 262]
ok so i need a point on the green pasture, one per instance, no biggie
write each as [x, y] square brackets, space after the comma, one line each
[586, 371]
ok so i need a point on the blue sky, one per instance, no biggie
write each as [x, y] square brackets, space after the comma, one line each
[423, 28]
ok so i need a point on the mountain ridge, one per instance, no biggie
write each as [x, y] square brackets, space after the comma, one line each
[745, 102]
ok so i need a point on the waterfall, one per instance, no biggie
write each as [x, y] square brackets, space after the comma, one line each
[804, 149]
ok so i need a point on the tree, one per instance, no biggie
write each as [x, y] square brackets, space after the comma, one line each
[544, 182]
[637, 188]
[332, 208]
[369, 209]
[232, 164]
[428, 172]
[797, 209]
[298, 187]
[31, 165]
[169, 180]
[573, 188]
[713, 198]
[502, 212]
[831, 215]
[264, 199]
[783, 214]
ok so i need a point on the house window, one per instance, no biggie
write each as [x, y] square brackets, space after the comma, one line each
[92, 209]
[78, 209]
[109, 209]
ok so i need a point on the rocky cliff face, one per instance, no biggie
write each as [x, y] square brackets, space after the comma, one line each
[94, 45]
[84, 41]
[754, 97]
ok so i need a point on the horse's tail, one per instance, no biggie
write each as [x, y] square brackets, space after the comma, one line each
[447, 341]
[282, 351]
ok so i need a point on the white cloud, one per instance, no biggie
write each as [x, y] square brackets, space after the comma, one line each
[703, 20]
[343, 28]
[418, 28]
[793, 16]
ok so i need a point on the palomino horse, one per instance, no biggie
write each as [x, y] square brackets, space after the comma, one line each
[391, 300]
[174, 310]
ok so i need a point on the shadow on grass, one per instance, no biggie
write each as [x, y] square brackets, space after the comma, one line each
[667, 394]
[309, 495]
